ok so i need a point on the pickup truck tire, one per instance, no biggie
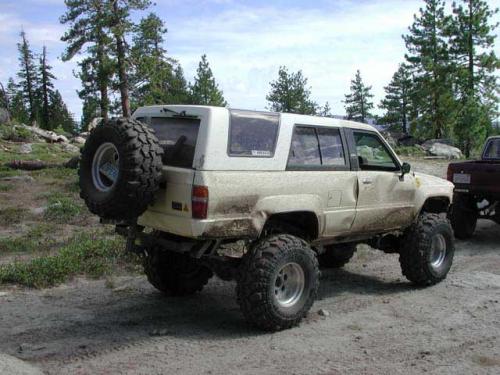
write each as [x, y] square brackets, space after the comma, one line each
[175, 274]
[463, 217]
[278, 282]
[120, 169]
[427, 250]
[336, 256]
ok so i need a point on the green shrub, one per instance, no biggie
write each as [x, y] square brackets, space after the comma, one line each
[61, 209]
[409, 151]
[85, 254]
[15, 134]
[33, 240]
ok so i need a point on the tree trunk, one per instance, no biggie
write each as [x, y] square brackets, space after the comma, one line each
[122, 69]
[45, 109]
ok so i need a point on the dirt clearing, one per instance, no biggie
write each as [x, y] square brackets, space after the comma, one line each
[372, 321]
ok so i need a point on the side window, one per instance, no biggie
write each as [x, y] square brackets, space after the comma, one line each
[305, 148]
[253, 133]
[330, 142]
[316, 147]
[372, 153]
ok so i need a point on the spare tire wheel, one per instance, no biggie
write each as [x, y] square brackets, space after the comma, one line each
[120, 169]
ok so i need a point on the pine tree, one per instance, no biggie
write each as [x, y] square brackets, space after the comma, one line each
[428, 57]
[357, 102]
[59, 114]
[290, 93]
[17, 106]
[326, 111]
[472, 40]
[88, 21]
[397, 101]
[45, 89]
[121, 26]
[204, 90]
[156, 78]
[27, 76]
[4, 98]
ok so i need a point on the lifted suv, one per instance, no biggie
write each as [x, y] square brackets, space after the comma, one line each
[261, 198]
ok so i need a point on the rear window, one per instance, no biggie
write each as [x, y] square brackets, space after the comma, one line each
[177, 136]
[492, 149]
[253, 133]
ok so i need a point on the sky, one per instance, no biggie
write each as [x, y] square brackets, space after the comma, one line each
[246, 42]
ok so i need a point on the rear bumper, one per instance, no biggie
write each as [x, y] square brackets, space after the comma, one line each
[242, 227]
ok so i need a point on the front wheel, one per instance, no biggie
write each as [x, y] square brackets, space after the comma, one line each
[278, 282]
[427, 250]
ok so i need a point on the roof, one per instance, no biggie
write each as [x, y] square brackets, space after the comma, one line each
[295, 118]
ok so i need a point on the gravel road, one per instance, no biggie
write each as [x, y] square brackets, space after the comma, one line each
[376, 322]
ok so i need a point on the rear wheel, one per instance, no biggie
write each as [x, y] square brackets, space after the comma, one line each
[278, 282]
[463, 217]
[175, 274]
[336, 256]
[427, 252]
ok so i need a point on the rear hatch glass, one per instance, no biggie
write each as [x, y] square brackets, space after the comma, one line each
[177, 136]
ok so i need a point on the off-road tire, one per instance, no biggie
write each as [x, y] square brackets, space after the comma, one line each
[416, 253]
[175, 274]
[336, 256]
[257, 279]
[139, 171]
[463, 217]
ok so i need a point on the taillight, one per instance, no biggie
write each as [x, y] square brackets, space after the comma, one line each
[449, 173]
[199, 202]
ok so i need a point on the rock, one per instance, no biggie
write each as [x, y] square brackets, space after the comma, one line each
[68, 147]
[38, 210]
[95, 121]
[430, 142]
[4, 116]
[84, 135]
[26, 148]
[449, 152]
[23, 178]
[13, 366]
[323, 312]
[47, 135]
[78, 140]
[3, 294]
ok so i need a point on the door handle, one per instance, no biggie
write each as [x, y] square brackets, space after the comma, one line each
[366, 181]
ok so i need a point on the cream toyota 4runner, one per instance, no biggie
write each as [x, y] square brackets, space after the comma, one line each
[265, 199]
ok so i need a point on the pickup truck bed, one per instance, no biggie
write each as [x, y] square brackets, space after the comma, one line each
[477, 190]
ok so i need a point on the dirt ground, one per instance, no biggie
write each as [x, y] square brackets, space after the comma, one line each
[376, 322]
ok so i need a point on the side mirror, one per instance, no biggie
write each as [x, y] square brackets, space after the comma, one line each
[405, 169]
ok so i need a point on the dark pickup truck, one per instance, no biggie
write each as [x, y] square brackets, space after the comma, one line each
[477, 190]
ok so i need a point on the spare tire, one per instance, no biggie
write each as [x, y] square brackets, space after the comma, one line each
[120, 169]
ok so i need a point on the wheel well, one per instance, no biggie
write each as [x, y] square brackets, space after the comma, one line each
[436, 205]
[305, 223]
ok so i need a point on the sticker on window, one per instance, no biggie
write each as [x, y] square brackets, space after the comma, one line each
[261, 153]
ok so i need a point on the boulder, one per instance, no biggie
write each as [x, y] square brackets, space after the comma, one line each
[430, 142]
[47, 135]
[68, 147]
[25, 148]
[4, 116]
[78, 140]
[444, 150]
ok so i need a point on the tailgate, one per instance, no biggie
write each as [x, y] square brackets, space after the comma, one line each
[175, 198]
[477, 176]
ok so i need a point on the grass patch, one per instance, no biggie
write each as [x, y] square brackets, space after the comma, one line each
[12, 215]
[61, 208]
[33, 240]
[86, 254]
[52, 153]
[5, 187]
[66, 178]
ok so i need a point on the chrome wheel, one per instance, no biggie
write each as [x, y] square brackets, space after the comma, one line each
[438, 250]
[289, 284]
[105, 167]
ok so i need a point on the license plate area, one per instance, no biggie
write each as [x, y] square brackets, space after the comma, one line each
[461, 178]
